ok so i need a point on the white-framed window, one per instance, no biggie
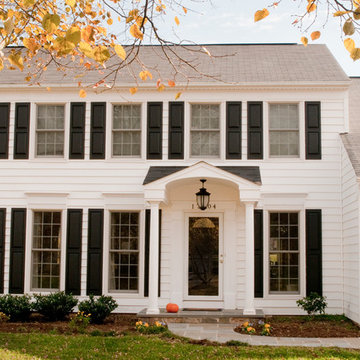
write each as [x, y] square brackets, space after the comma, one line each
[50, 130]
[124, 251]
[284, 253]
[205, 130]
[126, 130]
[46, 250]
[284, 130]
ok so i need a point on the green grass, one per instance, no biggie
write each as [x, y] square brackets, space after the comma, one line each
[36, 346]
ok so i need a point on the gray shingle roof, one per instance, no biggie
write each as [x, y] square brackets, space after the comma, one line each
[251, 173]
[246, 63]
[352, 146]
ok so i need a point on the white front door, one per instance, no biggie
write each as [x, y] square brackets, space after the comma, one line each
[204, 259]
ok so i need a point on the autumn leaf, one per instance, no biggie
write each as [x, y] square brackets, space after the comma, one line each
[171, 83]
[1, 64]
[71, 3]
[133, 90]
[177, 95]
[31, 44]
[63, 46]
[144, 75]
[304, 40]
[73, 35]
[120, 51]
[261, 14]
[9, 25]
[16, 59]
[87, 33]
[356, 13]
[349, 44]
[82, 93]
[177, 20]
[355, 54]
[48, 88]
[161, 87]
[349, 27]
[185, 10]
[315, 35]
[50, 22]
[311, 7]
[340, 13]
[101, 54]
[206, 51]
[28, 3]
[135, 32]
[86, 49]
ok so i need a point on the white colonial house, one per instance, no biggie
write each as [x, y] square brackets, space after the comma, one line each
[99, 195]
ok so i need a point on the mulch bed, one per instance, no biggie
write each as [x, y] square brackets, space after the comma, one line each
[114, 324]
[305, 326]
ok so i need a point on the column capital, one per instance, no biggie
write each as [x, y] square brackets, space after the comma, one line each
[249, 203]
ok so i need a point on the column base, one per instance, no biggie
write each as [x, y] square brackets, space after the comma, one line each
[153, 311]
[249, 311]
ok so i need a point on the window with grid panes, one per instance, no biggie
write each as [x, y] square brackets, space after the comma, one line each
[284, 252]
[50, 130]
[46, 243]
[127, 130]
[284, 130]
[205, 130]
[124, 251]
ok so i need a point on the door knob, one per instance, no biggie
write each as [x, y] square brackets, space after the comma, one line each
[221, 258]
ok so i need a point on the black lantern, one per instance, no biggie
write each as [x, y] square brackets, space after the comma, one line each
[202, 197]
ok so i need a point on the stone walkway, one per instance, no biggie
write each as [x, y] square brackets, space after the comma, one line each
[225, 332]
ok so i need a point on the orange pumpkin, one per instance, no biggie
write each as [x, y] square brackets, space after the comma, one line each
[172, 308]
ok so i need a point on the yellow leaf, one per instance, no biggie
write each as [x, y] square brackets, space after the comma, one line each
[31, 44]
[50, 22]
[9, 25]
[261, 14]
[87, 33]
[355, 54]
[109, 21]
[73, 35]
[135, 32]
[349, 27]
[177, 95]
[120, 51]
[101, 54]
[28, 3]
[71, 3]
[16, 59]
[356, 13]
[140, 21]
[82, 93]
[315, 35]
[161, 87]
[1, 64]
[185, 10]
[349, 44]
[144, 75]
[340, 13]
[48, 88]
[206, 51]
[86, 49]
[63, 46]
[171, 83]
[177, 20]
[133, 90]
[304, 40]
[311, 7]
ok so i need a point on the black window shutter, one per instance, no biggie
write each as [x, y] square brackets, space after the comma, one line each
[258, 253]
[154, 130]
[176, 130]
[233, 130]
[313, 130]
[147, 252]
[21, 135]
[95, 252]
[17, 251]
[4, 130]
[2, 247]
[313, 252]
[77, 130]
[73, 251]
[97, 135]
[255, 129]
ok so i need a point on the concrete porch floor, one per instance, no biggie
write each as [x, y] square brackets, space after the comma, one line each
[200, 316]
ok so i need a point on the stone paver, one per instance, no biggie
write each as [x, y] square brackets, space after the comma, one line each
[225, 332]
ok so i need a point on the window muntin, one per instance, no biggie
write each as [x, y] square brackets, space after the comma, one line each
[284, 252]
[50, 130]
[124, 252]
[46, 244]
[127, 130]
[205, 130]
[284, 130]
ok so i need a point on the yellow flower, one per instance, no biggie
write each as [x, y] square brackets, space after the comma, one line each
[267, 326]
[246, 324]
[146, 325]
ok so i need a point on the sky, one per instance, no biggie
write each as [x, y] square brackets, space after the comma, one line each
[232, 21]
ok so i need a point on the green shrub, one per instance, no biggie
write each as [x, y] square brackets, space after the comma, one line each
[17, 308]
[313, 303]
[99, 308]
[55, 306]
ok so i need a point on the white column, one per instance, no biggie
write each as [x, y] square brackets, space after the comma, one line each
[249, 259]
[153, 307]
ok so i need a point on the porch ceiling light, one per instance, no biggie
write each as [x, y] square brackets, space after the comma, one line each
[202, 197]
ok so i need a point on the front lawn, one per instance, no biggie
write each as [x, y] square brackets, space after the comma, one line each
[36, 346]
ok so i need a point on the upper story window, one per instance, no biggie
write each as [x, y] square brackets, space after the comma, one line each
[46, 250]
[284, 130]
[284, 252]
[205, 130]
[127, 130]
[50, 130]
